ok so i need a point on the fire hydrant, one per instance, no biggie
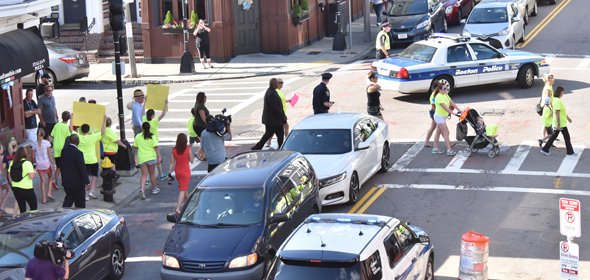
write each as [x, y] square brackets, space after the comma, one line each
[108, 176]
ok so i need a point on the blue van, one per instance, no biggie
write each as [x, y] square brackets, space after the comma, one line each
[237, 217]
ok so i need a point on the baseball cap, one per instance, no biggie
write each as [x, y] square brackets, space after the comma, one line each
[138, 93]
[326, 76]
[385, 24]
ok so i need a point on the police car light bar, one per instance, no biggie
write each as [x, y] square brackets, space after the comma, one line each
[341, 219]
[450, 36]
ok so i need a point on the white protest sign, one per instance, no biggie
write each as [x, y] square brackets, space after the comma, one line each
[569, 260]
[569, 217]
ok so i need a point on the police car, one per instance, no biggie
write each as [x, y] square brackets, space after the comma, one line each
[354, 246]
[460, 61]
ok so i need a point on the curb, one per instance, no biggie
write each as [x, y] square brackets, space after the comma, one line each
[359, 56]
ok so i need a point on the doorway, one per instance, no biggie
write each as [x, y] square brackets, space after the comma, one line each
[247, 29]
[73, 11]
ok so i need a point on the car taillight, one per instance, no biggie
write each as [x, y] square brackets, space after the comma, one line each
[68, 59]
[402, 74]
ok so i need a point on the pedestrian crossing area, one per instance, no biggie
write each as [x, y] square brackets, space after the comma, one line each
[523, 159]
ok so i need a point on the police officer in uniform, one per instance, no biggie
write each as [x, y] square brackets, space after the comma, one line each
[321, 96]
[383, 42]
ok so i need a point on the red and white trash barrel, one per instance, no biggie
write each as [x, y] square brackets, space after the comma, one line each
[474, 256]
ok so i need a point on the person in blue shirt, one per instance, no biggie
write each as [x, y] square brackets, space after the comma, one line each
[137, 111]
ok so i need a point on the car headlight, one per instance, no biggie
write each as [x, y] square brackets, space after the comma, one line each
[244, 261]
[332, 180]
[449, 9]
[169, 261]
[425, 24]
[504, 32]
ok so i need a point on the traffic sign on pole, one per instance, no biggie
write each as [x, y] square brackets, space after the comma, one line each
[569, 217]
[569, 260]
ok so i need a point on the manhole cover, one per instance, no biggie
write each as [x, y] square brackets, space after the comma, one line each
[493, 114]
[314, 53]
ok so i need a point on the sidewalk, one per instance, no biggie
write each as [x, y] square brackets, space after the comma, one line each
[318, 54]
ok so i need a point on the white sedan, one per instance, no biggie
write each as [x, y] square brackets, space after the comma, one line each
[345, 150]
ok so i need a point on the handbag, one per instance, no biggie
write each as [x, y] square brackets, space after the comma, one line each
[461, 131]
[539, 108]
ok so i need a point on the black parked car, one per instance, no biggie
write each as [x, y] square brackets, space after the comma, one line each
[415, 20]
[239, 215]
[98, 238]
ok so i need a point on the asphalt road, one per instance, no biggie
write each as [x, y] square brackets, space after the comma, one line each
[512, 198]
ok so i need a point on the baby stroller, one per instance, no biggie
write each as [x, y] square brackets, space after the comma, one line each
[484, 135]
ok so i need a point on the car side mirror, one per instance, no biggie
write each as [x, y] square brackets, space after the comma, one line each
[424, 239]
[278, 218]
[363, 145]
[463, 21]
[171, 217]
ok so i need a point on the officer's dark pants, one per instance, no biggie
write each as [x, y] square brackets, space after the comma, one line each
[74, 196]
[379, 55]
[269, 131]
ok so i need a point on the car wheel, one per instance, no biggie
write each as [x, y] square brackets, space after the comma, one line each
[534, 13]
[526, 76]
[385, 158]
[52, 78]
[552, 2]
[117, 263]
[446, 80]
[353, 189]
[429, 269]
[526, 15]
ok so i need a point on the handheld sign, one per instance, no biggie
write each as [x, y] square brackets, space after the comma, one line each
[294, 100]
[569, 217]
[156, 97]
[91, 114]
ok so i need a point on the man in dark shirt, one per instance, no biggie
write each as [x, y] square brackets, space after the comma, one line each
[31, 111]
[273, 116]
[76, 177]
[321, 96]
[48, 114]
[41, 87]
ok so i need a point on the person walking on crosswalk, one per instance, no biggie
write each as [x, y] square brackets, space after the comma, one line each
[150, 117]
[284, 102]
[273, 116]
[560, 120]
[546, 102]
[182, 157]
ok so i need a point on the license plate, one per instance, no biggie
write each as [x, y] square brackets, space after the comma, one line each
[382, 71]
[81, 61]
[402, 36]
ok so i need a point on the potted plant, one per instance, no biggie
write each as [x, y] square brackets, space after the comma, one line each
[300, 11]
[194, 19]
[168, 20]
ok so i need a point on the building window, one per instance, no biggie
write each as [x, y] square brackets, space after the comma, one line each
[175, 8]
[165, 6]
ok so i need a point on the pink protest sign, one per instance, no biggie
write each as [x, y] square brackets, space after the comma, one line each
[294, 100]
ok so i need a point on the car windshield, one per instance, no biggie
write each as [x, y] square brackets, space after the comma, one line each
[409, 8]
[224, 207]
[288, 270]
[319, 141]
[16, 247]
[488, 15]
[418, 52]
[58, 48]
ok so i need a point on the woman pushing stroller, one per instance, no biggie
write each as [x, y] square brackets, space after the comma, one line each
[444, 107]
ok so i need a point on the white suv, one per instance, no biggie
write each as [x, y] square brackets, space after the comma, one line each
[354, 246]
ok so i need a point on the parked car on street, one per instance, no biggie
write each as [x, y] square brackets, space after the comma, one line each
[456, 10]
[460, 61]
[98, 238]
[414, 20]
[238, 216]
[65, 65]
[354, 246]
[526, 8]
[500, 23]
[345, 149]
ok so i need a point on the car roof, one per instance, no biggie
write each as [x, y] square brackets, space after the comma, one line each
[46, 220]
[489, 4]
[336, 233]
[248, 169]
[329, 121]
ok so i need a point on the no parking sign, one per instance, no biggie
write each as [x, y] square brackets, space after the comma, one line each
[569, 217]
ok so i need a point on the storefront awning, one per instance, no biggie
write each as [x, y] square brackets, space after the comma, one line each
[22, 52]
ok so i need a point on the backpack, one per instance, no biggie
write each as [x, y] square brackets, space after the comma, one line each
[16, 171]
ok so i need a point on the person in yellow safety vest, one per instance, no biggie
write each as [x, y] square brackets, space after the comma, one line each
[383, 42]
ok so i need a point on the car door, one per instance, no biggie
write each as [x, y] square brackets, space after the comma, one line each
[72, 240]
[411, 250]
[279, 203]
[91, 253]
[362, 133]
[516, 21]
[493, 65]
[462, 64]
[398, 263]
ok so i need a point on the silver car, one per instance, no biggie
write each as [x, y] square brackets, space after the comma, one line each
[526, 8]
[65, 65]
[498, 23]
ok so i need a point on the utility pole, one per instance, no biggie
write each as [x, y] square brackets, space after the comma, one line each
[367, 23]
[130, 43]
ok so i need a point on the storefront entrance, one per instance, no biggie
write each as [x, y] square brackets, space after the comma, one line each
[74, 10]
[247, 29]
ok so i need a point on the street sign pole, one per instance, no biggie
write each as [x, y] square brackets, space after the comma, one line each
[130, 41]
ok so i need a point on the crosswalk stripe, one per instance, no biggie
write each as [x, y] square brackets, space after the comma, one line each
[208, 101]
[404, 160]
[518, 158]
[569, 162]
[584, 63]
[229, 82]
[232, 88]
[487, 188]
[457, 162]
[221, 93]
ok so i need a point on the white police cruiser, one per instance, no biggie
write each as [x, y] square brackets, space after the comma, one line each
[354, 246]
[461, 61]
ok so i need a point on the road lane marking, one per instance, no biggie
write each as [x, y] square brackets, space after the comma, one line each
[231, 88]
[228, 82]
[208, 101]
[544, 23]
[457, 162]
[584, 63]
[494, 172]
[408, 156]
[557, 182]
[518, 158]
[359, 203]
[143, 259]
[234, 110]
[220, 94]
[488, 189]
[569, 162]
[371, 200]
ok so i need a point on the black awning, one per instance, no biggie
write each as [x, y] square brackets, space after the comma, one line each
[22, 52]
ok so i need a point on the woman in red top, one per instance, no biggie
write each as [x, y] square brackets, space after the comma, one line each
[179, 162]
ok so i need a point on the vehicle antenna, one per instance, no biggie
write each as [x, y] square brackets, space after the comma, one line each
[361, 230]
[308, 230]
[321, 240]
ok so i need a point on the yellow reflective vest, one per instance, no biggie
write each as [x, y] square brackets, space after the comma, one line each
[378, 41]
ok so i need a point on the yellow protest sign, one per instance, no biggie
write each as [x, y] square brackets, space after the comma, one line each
[92, 114]
[156, 97]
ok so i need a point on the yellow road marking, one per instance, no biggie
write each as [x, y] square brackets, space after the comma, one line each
[544, 23]
[362, 200]
[370, 202]
[557, 182]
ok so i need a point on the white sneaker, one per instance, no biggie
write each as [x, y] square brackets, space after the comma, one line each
[91, 194]
[87, 198]
[156, 191]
